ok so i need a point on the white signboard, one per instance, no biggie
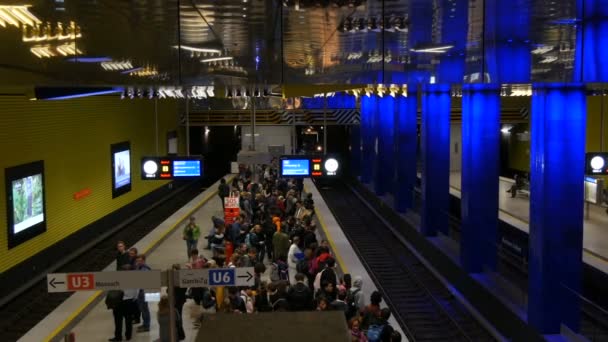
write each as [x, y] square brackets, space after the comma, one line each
[593, 190]
[93, 281]
[231, 202]
[242, 276]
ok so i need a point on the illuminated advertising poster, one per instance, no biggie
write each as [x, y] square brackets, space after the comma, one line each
[25, 202]
[121, 168]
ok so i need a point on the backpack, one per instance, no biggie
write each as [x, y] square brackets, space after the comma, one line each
[114, 298]
[351, 304]
[302, 266]
[374, 333]
[189, 233]
[280, 271]
[248, 240]
[208, 299]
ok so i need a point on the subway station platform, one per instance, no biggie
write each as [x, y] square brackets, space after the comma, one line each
[85, 314]
[516, 212]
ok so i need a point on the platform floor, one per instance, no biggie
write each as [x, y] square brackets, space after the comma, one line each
[98, 325]
[516, 211]
[68, 316]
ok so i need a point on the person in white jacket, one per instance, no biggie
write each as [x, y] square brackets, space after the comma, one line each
[293, 256]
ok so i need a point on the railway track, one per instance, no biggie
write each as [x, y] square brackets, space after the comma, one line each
[423, 306]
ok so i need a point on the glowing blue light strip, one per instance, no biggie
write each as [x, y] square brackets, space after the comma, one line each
[75, 96]
[89, 59]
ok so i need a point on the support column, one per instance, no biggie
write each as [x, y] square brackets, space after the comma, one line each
[480, 172]
[590, 51]
[435, 138]
[406, 140]
[368, 151]
[385, 171]
[557, 156]
[355, 150]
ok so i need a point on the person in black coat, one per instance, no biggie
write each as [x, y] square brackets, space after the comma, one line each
[300, 296]
[122, 257]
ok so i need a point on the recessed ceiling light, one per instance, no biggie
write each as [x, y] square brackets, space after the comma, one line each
[244, 15]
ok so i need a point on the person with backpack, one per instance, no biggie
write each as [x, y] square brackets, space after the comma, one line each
[279, 271]
[382, 331]
[277, 296]
[191, 234]
[299, 295]
[355, 299]
[257, 240]
[371, 313]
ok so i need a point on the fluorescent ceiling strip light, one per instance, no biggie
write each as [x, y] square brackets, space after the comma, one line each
[5, 15]
[216, 59]
[104, 92]
[195, 49]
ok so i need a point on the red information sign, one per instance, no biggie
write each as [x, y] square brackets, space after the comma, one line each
[78, 282]
[231, 209]
[82, 194]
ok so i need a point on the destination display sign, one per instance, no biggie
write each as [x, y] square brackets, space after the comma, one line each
[171, 167]
[240, 276]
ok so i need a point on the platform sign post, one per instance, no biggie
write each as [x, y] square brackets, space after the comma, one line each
[103, 281]
[239, 276]
[232, 209]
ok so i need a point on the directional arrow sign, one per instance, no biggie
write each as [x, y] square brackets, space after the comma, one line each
[91, 281]
[242, 276]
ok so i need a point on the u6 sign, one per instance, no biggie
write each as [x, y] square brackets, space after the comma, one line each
[242, 276]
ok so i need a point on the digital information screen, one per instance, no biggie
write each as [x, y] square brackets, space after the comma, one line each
[596, 163]
[25, 202]
[295, 167]
[186, 168]
[121, 168]
[154, 168]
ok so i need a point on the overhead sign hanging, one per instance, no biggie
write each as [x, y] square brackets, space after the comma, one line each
[171, 167]
[240, 276]
[93, 281]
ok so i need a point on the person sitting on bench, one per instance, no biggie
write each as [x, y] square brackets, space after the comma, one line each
[519, 184]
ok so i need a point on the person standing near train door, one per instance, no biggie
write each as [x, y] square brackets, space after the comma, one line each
[191, 234]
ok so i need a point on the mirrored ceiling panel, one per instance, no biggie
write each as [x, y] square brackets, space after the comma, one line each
[249, 43]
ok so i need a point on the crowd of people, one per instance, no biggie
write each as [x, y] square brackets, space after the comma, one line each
[275, 234]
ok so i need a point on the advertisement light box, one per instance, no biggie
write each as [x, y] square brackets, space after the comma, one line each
[166, 168]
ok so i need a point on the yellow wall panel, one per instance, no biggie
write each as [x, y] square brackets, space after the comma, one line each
[73, 137]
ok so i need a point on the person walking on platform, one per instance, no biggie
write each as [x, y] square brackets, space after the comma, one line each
[141, 296]
[191, 234]
[122, 257]
[223, 191]
[280, 244]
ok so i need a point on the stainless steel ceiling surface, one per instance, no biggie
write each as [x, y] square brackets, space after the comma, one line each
[240, 42]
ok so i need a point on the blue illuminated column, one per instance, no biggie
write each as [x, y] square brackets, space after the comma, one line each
[406, 140]
[385, 171]
[591, 50]
[480, 172]
[355, 150]
[368, 150]
[435, 137]
[508, 57]
[557, 156]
